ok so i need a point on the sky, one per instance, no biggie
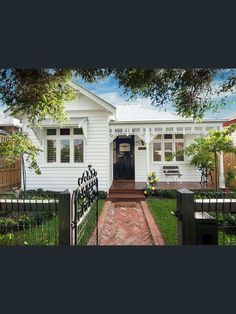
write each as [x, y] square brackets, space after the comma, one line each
[109, 90]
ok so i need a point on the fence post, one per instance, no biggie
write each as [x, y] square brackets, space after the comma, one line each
[186, 224]
[65, 218]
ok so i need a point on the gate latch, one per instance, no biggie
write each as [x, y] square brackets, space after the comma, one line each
[177, 214]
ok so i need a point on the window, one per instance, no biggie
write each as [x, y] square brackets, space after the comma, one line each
[65, 151]
[51, 150]
[168, 151]
[179, 146]
[179, 136]
[77, 131]
[65, 145]
[64, 131]
[51, 131]
[157, 151]
[78, 150]
[168, 147]
[168, 136]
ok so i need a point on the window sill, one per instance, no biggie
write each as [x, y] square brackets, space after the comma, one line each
[63, 165]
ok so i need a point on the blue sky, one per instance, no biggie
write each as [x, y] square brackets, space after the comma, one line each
[109, 90]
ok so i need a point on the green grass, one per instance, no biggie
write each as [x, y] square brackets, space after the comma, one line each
[47, 233]
[88, 226]
[161, 210]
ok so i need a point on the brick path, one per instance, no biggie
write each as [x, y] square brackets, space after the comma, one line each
[127, 224]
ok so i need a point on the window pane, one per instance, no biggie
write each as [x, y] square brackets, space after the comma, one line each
[64, 131]
[179, 136]
[180, 155]
[65, 151]
[157, 151]
[78, 131]
[78, 150]
[168, 136]
[51, 131]
[158, 137]
[51, 150]
[168, 151]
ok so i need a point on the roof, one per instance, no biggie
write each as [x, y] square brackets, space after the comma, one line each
[7, 120]
[138, 113]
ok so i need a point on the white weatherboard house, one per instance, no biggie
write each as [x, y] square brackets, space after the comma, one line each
[122, 143]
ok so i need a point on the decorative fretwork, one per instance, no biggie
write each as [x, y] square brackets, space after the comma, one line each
[147, 134]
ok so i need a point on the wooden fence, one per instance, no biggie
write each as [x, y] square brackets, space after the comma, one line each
[10, 175]
[230, 164]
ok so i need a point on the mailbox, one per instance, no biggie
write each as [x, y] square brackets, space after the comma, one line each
[206, 229]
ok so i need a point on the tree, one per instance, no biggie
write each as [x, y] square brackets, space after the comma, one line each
[18, 145]
[41, 93]
[204, 151]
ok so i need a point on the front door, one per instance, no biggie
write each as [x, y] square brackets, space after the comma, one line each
[123, 158]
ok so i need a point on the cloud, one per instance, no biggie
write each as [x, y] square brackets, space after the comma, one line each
[117, 99]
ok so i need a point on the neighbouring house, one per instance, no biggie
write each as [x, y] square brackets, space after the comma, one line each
[123, 142]
[10, 175]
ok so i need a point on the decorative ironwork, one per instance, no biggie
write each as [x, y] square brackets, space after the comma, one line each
[83, 198]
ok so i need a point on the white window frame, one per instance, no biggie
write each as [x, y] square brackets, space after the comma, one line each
[58, 139]
[163, 141]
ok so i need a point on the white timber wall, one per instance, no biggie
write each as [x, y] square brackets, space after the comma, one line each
[59, 177]
[189, 174]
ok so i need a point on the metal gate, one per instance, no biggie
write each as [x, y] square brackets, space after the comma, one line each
[85, 209]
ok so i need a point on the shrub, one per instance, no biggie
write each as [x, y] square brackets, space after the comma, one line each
[102, 195]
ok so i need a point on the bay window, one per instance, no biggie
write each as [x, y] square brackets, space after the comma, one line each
[168, 147]
[65, 145]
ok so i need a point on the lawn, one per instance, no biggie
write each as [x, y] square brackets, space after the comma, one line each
[46, 233]
[86, 229]
[161, 210]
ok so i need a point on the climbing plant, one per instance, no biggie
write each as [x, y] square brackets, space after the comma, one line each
[19, 145]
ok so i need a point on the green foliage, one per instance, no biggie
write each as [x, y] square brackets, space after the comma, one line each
[161, 211]
[150, 188]
[41, 93]
[17, 146]
[102, 195]
[230, 176]
[204, 151]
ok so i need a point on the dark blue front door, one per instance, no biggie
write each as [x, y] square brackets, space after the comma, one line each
[123, 158]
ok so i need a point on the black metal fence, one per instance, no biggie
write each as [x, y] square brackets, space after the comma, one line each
[206, 218]
[78, 212]
[221, 206]
[28, 219]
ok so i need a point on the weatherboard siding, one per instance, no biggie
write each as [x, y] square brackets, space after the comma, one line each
[189, 174]
[60, 177]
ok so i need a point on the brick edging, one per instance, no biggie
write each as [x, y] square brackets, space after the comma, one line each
[102, 217]
[154, 230]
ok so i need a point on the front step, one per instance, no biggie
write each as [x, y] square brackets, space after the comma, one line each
[126, 191]
[125, 197]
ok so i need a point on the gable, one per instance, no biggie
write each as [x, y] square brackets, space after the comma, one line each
[86, 100]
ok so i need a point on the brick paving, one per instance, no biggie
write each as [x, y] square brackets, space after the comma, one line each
[127, 224]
